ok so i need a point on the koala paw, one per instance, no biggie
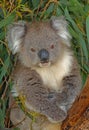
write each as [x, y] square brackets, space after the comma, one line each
[58, 116]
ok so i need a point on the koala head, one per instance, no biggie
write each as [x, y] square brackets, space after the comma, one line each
[39, 44]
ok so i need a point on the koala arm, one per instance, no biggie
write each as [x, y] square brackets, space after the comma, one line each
[38, 97]
[70, 89]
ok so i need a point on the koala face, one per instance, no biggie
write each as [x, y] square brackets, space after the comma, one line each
[39, 44]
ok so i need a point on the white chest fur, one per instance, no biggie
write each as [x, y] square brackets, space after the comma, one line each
[53, 75]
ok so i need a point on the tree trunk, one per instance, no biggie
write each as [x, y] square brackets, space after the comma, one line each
[78, 115]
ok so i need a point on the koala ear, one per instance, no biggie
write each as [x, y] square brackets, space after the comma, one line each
[60, 25]
[15, 35]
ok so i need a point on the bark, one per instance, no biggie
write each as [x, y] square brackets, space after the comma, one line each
[78, 115]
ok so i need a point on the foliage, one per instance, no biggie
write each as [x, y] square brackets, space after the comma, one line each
[76, 13]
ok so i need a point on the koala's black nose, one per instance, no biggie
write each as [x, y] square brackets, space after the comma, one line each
[43, 55]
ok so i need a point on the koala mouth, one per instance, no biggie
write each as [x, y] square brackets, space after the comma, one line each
[45, 64]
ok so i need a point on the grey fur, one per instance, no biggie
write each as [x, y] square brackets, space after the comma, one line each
[40, 96]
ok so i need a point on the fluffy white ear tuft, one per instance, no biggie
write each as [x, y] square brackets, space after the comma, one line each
[60, 25]
[15, 35]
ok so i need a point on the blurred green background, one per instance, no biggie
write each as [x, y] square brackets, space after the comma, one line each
[76, 13]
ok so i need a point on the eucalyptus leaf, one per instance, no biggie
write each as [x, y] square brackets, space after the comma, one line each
[7, 20]
[84, 47]
[87, 28]
[35, 3]
[69, 18]
[2, 35]
[4, 69]
[2, 116]
[50, 8]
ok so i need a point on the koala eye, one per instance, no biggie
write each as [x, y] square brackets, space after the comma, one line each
[33, 50]
[52, 46]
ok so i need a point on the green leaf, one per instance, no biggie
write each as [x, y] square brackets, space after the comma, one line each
[1, 118]
[86, 8]
[35, 3]
[9, 19]
[87, 28]
[59, 11]
[50, 8]
[69, 18]
[73, 33]
[2, 112]
[2, 35]
[4, 69]
[86, 68]
[48, 12]
[76, 7]
[83, 45]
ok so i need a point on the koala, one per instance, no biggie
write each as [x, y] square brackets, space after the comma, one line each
[46, 72]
